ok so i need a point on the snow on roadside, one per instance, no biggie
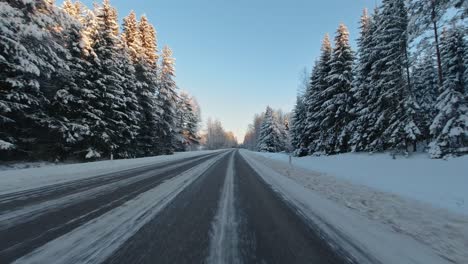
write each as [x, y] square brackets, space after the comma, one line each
[442, 183]
[381, 222]
[4, 166]
[96, 240]
[25, 179]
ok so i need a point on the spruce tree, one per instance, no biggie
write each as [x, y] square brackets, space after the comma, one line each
[187, 120]
[298, 123]
[149, 43]
[106, 78]
[131, 110]
[167, 98]
[147, 87]
[392, 123]
[337, 96]
[71, 107]
[30, 53]
[132, 37]
[314, 99]
[426, 90]
[270, 139]
[450, 127]
[361, 83]
[298, 116]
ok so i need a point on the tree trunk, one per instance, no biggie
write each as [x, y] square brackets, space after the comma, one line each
[408, 76]
[436, 36]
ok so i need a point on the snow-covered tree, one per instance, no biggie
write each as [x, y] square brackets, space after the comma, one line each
[427, 15]
[76, 10]
[361, 83]
[271, 137]
[299, 114]
[149, 43]
[314, 98]
[426, 90]
[107, 79]
[71, 106]
[337, 96]
[30, 53]
[187, 122]
[392, 107]
[450, 127]
[146, 83]
[131, 36]
[71, 88]
[298, 123]
[167, 98]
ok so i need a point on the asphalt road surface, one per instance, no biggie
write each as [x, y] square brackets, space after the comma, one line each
[212, 208]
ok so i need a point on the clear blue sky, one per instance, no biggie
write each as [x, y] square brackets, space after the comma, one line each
[239, 56]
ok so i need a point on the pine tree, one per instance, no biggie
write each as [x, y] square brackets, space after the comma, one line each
[167, 98]
[450, 127]
[337, 96]
[427, 15]
[271, 139]
[314, 98]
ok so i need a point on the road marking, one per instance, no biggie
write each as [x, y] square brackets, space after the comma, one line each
[224, 238]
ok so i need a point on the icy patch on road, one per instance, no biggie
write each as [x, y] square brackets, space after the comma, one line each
[367, 240]
[224, 239]
[98, 239]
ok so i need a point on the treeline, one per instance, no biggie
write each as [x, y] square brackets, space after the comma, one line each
[73, 85]
[216, 137]
[404, 89]
[269, 132]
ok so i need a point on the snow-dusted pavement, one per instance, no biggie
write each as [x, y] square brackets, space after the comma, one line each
[206, 207]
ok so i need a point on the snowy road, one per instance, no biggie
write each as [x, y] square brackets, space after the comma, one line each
[210, 208]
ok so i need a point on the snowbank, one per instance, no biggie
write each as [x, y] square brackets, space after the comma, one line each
[24, 179]
[374, 226]
[441, 183]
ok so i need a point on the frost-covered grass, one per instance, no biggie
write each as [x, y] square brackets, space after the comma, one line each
[23, 179]
[390, 227]
[441, 183]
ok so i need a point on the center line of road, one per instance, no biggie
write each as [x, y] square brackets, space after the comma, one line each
[224, 239]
